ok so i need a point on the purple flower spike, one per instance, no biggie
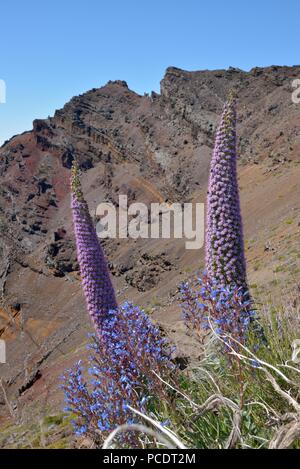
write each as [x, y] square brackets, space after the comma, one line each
[96, 282]
[225, 261]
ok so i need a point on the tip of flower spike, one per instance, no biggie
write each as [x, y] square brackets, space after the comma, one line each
[75, 181]
[231, 98]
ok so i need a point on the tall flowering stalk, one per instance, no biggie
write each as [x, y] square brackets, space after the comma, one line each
[96, 282]
[128, 352]
[225, 261]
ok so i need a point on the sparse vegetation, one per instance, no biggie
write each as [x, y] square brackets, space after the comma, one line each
[257, 407]
[51, 432]
[240, 399]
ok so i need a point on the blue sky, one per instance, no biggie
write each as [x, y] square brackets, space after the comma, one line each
[53, 50]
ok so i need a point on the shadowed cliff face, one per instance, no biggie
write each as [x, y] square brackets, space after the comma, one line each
[152, 148]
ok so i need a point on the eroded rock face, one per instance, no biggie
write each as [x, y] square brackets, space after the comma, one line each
[153, 148]
[61, 258]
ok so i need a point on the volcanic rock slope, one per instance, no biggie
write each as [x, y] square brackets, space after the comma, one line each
[153, 148]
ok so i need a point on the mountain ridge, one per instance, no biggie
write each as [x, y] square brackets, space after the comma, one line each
[153, 148]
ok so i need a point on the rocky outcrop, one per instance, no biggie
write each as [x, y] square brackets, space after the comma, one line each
[154, 148]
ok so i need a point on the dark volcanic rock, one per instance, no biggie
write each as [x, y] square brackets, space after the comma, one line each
[61, 257]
